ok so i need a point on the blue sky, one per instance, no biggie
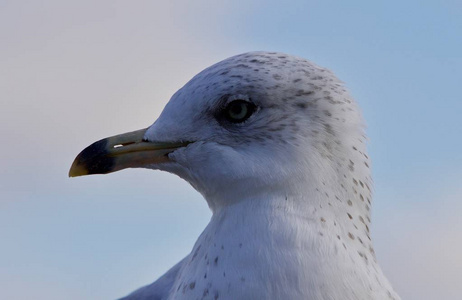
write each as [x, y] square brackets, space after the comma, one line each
[76, 71]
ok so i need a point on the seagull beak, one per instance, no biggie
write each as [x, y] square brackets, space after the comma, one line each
[128, 150]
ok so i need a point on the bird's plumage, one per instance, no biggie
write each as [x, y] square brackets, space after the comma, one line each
[289, 187]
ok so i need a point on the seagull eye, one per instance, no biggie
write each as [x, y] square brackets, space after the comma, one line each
[238, 111]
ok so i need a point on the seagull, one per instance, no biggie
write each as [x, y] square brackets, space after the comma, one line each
[277, 147]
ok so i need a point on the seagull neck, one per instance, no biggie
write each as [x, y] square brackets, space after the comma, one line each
[274, 202]
[337, 219]
[291, 239]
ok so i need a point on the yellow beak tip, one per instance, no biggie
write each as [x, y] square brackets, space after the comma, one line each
[78, 170]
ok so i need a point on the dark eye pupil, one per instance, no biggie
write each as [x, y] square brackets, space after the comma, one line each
[238, 111]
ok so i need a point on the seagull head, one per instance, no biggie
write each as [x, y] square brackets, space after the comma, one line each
[259, 121]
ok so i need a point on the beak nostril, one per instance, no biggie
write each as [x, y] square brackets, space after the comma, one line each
[123, 145]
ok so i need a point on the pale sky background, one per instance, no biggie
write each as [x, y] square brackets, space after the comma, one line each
[72, 72]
